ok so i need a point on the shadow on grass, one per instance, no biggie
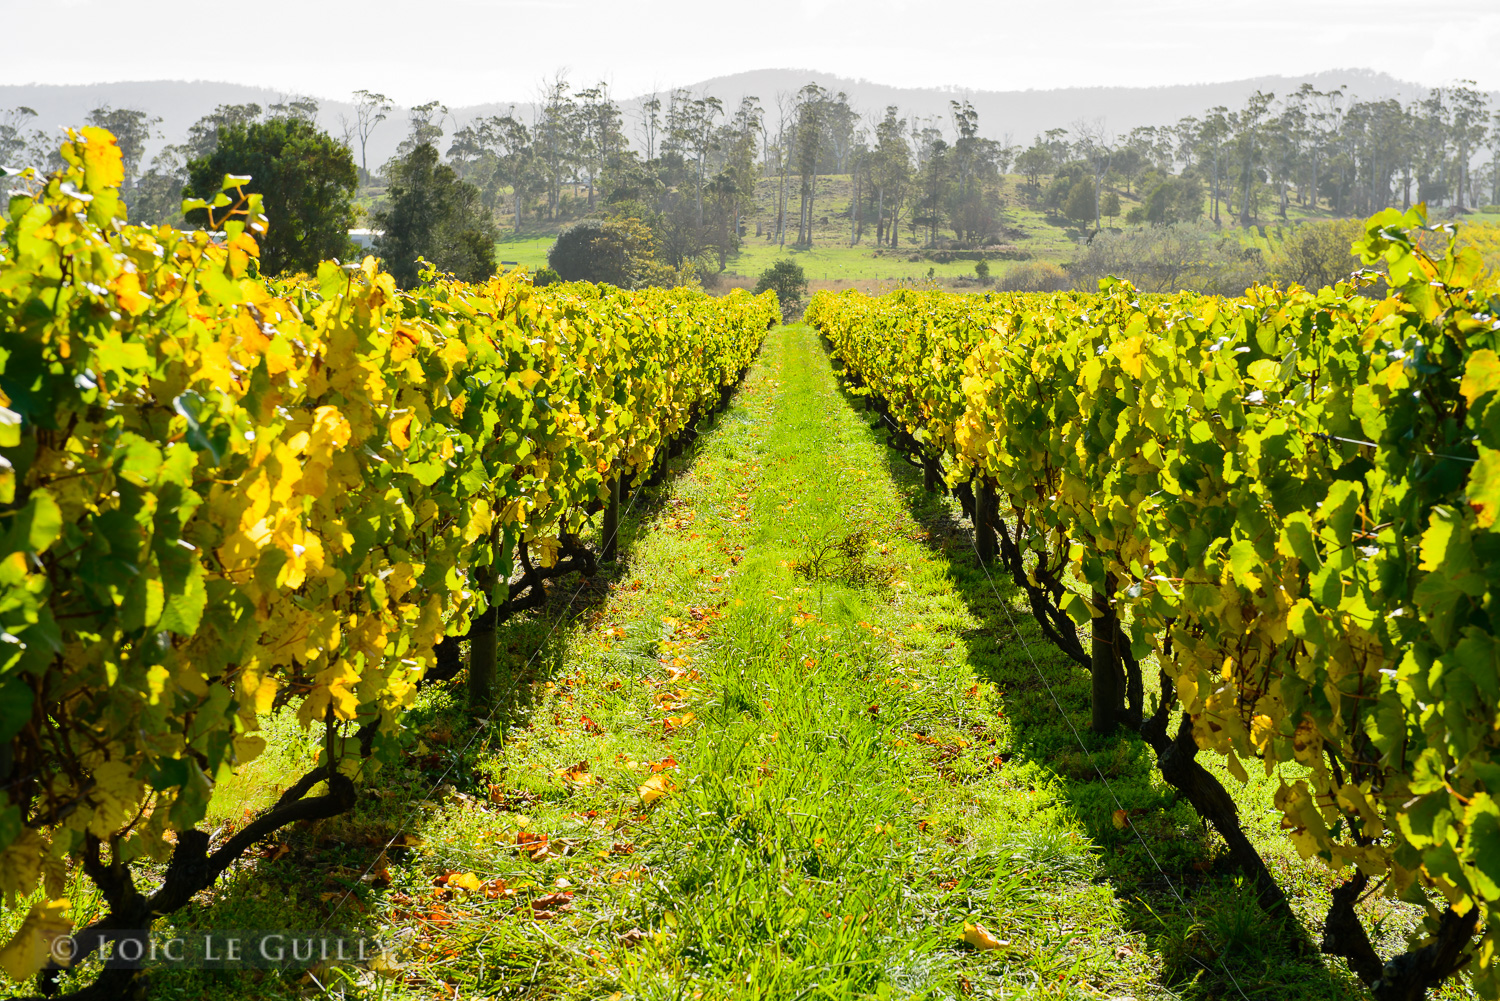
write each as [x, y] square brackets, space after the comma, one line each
[336, 874]
[532, 647]
[1171, 876]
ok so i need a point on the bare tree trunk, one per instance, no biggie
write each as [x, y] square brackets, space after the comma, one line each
[854, 213]
[1463, 166]
[781, 208]
[812, 196]
[1249, 180]
[483, 649]
[1216, 186]
[1107, 695]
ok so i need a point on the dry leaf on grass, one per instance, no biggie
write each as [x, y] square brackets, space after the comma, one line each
[980, 938]
[655, 788]
[496, 888]
[465, 881]
[459, 880]
[551, 905]
[577, 775]
[672, 723]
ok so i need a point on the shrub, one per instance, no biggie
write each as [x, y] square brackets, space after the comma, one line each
[1080, 204]
[617, 252]
[1171, 258]
[788, 281]
[1111, 204]
[1318, 254]
[660, 274]
[1035, 276]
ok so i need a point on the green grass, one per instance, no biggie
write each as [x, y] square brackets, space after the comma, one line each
[832, 259]
[832, 262]
[852, 767]
[838, 261]
[526, 250]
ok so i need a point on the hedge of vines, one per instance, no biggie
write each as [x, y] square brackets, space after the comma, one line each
[1289, 500]
[222, 495]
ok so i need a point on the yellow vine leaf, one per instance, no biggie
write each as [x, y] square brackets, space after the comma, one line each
[30, 947]
[103, 165]
[401, 432]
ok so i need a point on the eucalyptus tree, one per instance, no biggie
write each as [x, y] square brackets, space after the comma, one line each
[370, 109]
[1248, 124]
[649, 127]
[600, 134]
[738, 144]
[425, 127]
[1139, 150]
[20, 145]
[972, 207]
[1094, 147]
[703, 114]
[1033, 162]
[933, 172]
[890, 173]
[553, 134]
[1213, 134]
[1470, 127]
[807, 145]
[1187, 140]
[1325, 121]
[1432, 122]
[1377, 139]
[779, 147]
[841, 123]
[1494, 168]
[515, 159]
[495, 154]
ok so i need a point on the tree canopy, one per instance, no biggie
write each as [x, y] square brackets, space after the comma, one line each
[307, 181]
[616, 251]
[787, 279]
[434, 215]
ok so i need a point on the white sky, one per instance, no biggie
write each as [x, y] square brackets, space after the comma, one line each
[471, 51]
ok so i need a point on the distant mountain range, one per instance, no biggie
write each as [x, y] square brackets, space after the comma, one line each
[1020, 114]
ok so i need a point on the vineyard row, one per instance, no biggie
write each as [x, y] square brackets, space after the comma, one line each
[1287, 504]
[222, 495]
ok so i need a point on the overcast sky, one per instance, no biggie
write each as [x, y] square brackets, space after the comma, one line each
[471, 51]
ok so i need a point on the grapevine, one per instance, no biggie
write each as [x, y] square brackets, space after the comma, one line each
[1287, 499]
[221, 495]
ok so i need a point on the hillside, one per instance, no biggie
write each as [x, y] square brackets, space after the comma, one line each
[1020, 114]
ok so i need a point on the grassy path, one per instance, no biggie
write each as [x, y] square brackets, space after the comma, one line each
[826, 826]
[792, 750]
